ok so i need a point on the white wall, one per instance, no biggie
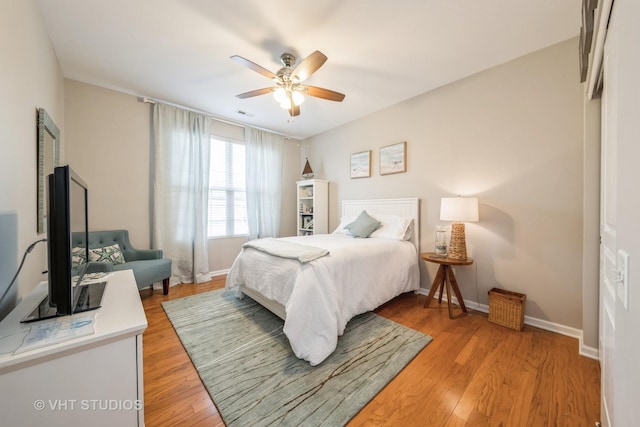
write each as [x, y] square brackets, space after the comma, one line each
[109, 145]
[513, 137]
[30, 78]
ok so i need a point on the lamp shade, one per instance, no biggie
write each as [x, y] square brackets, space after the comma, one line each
[459, 209]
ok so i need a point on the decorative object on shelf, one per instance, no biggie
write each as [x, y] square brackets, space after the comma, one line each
[307, 223]
[441, 241]
[393, 158]
[361, 164]
[460, 210]
[307, 172]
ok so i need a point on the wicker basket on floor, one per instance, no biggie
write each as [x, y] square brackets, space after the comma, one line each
[506, 308]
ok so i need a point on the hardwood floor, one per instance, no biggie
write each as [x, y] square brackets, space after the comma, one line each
[474, 373]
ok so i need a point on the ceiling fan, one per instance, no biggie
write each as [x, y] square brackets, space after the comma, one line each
[288, 89]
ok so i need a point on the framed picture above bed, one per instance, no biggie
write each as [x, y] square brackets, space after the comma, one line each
[393, 158]
[360, 165]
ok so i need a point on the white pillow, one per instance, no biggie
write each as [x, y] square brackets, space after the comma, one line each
[409, 234]
[393, 227]
[344, 221]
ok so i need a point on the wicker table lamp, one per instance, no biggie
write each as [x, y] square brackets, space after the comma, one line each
[460, 210]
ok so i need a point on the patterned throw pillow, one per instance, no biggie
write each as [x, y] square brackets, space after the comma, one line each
[111, 254]
[78, 256]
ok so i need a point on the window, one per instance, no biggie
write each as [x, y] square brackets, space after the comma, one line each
[227, 195]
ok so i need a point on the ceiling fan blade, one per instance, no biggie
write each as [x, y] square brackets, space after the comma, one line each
[294, 110]
[255, 92]
[309, 65]
[255, 67]
[323, 93]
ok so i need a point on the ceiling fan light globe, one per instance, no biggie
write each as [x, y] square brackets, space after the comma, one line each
[280, 95]
[286, 103]
[297, 98]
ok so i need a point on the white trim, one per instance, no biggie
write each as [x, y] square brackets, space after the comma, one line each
[586, 351]
[583, 350]
[219, 272]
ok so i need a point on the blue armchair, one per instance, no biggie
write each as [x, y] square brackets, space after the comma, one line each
[148, 265]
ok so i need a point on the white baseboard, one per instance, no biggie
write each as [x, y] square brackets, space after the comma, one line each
[219, 272]
[583, 350]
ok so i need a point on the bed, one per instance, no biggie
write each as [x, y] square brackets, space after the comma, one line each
[316, 298]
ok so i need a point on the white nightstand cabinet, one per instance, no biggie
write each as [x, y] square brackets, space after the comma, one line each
[313, 207]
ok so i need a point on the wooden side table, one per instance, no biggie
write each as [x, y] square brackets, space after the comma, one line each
[445, 277]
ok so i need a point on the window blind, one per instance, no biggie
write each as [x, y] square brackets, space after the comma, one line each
[227, 212]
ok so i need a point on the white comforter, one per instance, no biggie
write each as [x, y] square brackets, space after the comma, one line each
[321, 296]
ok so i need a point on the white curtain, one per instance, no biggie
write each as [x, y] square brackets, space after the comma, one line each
[264, 158]
[181, 190]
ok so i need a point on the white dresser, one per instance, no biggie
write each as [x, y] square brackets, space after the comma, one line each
[95, 379]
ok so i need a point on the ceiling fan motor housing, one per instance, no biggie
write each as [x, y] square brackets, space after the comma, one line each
[287, 59]
[284, 73]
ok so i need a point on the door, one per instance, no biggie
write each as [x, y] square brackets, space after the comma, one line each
[608, 215]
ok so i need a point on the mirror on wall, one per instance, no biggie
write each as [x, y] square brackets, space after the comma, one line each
[48, 158]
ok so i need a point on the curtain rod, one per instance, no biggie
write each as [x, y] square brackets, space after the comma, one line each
[227, 121]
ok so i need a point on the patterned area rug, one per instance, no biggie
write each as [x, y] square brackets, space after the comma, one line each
[245, 362]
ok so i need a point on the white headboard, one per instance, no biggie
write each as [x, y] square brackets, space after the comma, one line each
[406, 208]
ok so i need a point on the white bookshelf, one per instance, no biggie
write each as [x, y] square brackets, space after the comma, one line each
[313, 207]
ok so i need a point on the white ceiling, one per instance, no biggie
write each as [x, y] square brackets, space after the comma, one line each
[380, 52]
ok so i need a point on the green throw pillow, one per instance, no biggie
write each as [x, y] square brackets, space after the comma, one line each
[363, 226]
[111, 254]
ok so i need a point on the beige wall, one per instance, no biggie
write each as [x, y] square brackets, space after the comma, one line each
[512, 136]
[30, 78]
[109, 146]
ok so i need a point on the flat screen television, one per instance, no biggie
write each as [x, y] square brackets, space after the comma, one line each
[67, 213]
